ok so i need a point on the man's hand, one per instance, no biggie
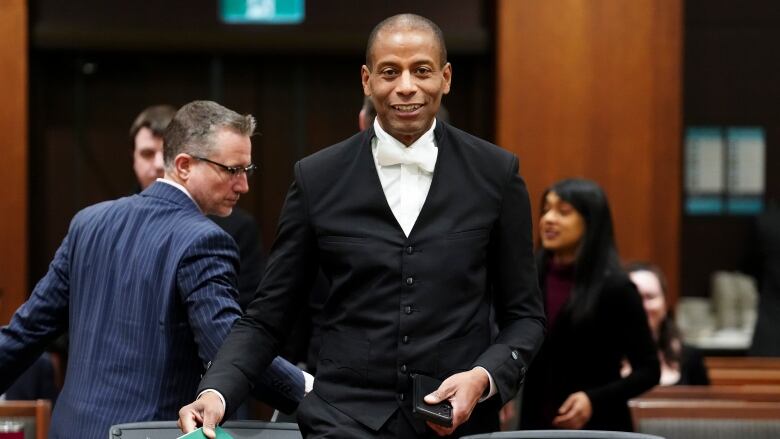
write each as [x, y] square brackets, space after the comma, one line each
[463, 390]
[574, 413]
[206, 410]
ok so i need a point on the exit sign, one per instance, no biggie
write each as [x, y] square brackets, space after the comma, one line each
[262, 11]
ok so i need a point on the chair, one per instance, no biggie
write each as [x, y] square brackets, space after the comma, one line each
[237, 429]
[35, 415]
[706, 419]
[562, 434]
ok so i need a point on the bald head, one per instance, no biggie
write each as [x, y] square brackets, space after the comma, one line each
[406, 22]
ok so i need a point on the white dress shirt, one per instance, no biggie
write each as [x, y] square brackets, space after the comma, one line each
[405, 172]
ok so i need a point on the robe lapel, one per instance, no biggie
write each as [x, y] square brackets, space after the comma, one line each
[376, 199]
[435, 201]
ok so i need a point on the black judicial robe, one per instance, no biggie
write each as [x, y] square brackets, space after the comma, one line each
[398, 305]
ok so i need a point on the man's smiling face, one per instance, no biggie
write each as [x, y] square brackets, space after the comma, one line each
[406, 81]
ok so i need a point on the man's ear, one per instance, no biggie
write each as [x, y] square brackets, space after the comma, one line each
[447, 75]
[365, 74]
[182, 166]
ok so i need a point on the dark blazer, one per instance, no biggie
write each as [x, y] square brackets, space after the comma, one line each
[145, 286]
[587, 356]
[398, 305]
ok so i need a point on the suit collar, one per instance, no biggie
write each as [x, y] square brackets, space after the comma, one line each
[433, 204]
[439, 132]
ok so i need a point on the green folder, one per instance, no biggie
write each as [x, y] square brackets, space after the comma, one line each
[198, 434]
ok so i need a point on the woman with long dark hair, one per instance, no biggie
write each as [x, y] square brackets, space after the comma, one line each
[680, 364]
[595, 319]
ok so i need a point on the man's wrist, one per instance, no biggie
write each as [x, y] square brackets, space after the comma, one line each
[219, 395]
[483, 379]
[490, 386]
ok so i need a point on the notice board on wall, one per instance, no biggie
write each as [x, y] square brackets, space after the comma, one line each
[725, 170]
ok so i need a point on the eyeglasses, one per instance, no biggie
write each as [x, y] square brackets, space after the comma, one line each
[233, 171]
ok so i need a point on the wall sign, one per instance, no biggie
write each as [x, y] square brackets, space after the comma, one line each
[724, 170]
[262, 11]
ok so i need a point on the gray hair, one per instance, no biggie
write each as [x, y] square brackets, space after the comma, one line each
[194, 126]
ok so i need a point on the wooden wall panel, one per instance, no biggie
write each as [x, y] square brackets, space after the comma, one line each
[592, 89]
[13, 156]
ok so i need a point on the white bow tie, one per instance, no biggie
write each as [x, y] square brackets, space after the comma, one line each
[389, 154]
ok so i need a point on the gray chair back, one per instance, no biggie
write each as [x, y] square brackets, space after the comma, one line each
[562, 434]
[237, 429]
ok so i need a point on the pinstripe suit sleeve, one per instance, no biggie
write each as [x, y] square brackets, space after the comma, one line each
[206, 281]
[37, 321]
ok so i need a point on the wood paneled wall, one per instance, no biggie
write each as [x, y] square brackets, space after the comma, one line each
[592, 89]
[13, 156]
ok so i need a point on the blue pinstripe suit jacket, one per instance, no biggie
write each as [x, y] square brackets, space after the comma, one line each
[146, 287]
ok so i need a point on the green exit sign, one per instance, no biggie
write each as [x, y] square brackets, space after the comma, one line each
[262, 11]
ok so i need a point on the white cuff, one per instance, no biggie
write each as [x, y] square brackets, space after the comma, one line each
[493, 389]
[221, 398]
[308, 382]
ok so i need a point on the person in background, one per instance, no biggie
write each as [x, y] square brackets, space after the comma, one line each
[146, 133]
[595, 319]
[680, 364]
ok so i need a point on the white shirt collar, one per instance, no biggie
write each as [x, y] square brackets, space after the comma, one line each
[390, 151]
[179, 187]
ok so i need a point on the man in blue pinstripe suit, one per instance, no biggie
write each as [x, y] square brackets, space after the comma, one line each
[146, 287]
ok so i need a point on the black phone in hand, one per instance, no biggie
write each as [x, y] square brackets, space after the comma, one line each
[440, 413]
